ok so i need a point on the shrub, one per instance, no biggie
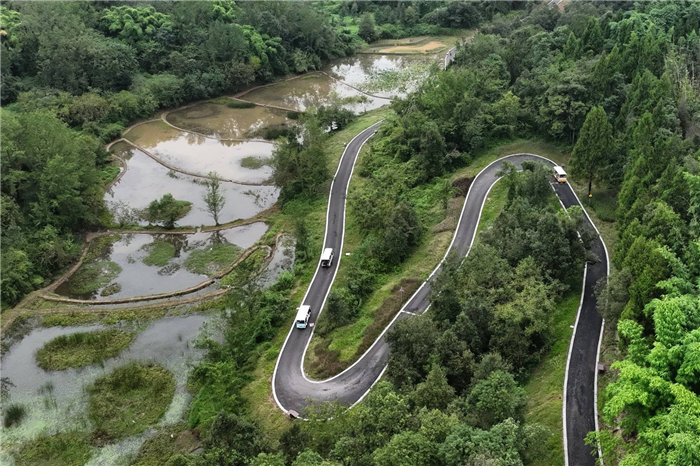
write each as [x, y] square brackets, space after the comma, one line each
[13, 415]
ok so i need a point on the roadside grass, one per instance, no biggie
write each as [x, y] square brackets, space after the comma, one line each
[65, 449]
[129, 399]
[494, 205]
[545, 386]
[83, 348]
[258, 393]
[159, 253]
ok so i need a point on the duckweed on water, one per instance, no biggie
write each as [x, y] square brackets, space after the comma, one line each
[130, 399]
[66, 449]
[82, 349]
[159, 253]
[210, 260]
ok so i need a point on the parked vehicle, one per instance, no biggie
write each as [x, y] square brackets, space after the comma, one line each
[303, 316]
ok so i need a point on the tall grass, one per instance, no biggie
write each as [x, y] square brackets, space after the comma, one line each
[13, 415]
[83, 348]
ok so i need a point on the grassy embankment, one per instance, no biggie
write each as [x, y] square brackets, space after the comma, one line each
[83, 348]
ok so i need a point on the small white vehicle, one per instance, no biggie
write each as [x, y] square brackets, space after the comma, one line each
[327, 258]
[303, 316]
[559, 174]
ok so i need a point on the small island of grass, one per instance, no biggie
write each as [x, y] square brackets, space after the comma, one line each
[209, 261]
[82, 349]
[128, 400]
[159, 253]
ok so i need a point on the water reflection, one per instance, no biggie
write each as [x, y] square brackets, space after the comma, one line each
[125, 266]
[146, 180]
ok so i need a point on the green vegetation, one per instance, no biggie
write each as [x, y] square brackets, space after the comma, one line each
[159, 253]
[170, 441]
[239, 104]
[93, 275]
[83, 348]
[167, 210]
[244, 271]
[70, 318]
[129, 399]
[254, 163]
[545, 385]
[13, 415]
[109, 173]
[210, 260]
[65, 449]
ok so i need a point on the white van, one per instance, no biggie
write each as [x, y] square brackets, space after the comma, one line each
[327, 257]
[303, 316]
[559, 174]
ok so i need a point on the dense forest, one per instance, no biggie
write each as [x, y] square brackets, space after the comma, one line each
[614, 82]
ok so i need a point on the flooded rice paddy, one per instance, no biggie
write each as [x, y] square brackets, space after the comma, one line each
[146, 180]
[202, 155]
[383, 75]
[129, 265]
[215, 119]
[314, 90]
[55, 400]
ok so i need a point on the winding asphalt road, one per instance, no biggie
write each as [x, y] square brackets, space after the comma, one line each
[294, 392]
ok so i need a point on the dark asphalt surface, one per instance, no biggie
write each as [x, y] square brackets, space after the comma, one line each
[293, 391]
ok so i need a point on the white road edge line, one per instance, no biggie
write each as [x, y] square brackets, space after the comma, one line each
[566, 458]
[318, 266]
[568, 361]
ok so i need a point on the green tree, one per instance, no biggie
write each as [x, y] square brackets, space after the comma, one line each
[495, 399]
[406, 449]
[366, 28]
[593, 148]
[434, 392]
[166, 210]
[213, 197]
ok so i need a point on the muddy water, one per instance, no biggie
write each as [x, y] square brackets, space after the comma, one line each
[224, 122]
[314, 90]
[201, 155]
[361, 70]
[168, 341]
[136, 278]
[146, 180]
